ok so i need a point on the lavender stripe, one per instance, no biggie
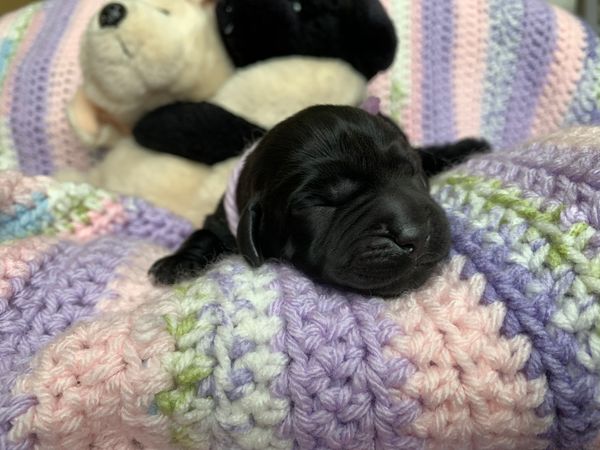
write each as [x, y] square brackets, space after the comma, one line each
[534, 59]
[10, 409]
[157, 225]
[335, 347]
[58, 294]
[551, 188]
[553, 353]
[585, 109]
[579, 166]
[506, 17]
[438, 107]
[29, 107]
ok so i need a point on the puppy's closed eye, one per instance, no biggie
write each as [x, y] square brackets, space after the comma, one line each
[326, 193]
[340, 191]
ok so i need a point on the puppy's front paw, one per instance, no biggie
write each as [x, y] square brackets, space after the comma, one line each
[175, 268]
[464, 148]
[198, 251]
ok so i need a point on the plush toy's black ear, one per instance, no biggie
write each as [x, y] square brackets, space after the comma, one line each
[248, 232]
[372, 43]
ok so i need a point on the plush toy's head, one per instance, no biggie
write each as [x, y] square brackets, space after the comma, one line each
[357, 31]
[137, 55]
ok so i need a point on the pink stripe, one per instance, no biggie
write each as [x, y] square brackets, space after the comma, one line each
[16, 189]
[99, 223]
[565, 71]
[131, 287]
[96, 382]
[63, 81]
[471, 21]
[16, 260]
[412, 117]
[469, 377]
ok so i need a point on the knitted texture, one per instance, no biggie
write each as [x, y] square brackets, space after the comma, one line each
[499, 350]
[507, 70]
[39, 73]
[503, 69]
[67, 252]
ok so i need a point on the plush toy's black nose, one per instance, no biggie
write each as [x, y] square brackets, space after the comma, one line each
[112, 15]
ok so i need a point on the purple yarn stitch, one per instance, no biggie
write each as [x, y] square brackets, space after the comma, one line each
[148, 222]
[438, 108]
[585, 110]
[28, 114]
[534, 58]
[65, 285]
[339, 383]
[554, 351]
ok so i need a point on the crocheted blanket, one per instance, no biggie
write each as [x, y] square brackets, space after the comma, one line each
[507, 70]
[500, 349]
[503, 69]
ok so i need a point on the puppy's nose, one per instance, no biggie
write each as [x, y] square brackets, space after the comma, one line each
[112, 15]
[411, 239]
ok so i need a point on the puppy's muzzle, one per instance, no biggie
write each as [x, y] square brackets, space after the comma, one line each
[112, 15]
[393, 244]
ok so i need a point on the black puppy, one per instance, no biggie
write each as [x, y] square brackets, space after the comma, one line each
[341, 195]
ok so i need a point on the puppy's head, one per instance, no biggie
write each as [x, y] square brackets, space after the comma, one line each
[342, 195]
[358, 31]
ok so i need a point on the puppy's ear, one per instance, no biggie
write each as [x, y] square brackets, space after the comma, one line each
[248, 232]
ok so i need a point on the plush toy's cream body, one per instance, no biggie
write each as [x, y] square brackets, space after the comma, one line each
[268, 92]
[277, 88]
[125, 76]
[162, 51]
[189, 189]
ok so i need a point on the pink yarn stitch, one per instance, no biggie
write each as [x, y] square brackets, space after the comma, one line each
[462, 359]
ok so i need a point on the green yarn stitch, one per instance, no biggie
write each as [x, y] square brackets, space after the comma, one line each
[565, 249]
[187, 365]
[71, 204]
[561, 250]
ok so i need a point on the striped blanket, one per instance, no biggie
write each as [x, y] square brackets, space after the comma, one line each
[503, 69]
[500, 350]
[507, 70]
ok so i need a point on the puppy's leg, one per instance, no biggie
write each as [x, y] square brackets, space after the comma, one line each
[436, 159]
[201, 132]
[198, 251]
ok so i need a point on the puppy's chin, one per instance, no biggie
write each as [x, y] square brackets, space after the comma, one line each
[388, 271]
[381, 282]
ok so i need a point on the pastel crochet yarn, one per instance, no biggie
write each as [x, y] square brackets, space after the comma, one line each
[499, 350]
[503, 69]
[66, 251]
[507, 70]
[39, 73]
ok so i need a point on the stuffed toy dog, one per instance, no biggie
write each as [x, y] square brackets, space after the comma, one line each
[137, 55]
[356, 31]
[252, 99]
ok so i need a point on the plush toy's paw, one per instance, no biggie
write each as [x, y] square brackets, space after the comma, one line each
[200, 250]
[201, 132]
